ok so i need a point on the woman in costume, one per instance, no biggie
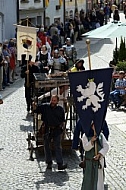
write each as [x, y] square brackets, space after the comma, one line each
[94, 169]
[44, 58]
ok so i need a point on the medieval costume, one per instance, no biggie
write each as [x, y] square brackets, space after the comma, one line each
[70, 52]
[29, 78]
[44, 58]
[78, 66]
[94, 171]
[59, 63]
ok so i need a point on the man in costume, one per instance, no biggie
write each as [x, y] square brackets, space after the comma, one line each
[27, 73]
[70, 52]
[53, 117]
[61, 91]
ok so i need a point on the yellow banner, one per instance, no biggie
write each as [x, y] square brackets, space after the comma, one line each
[46, 3]
[60, 2]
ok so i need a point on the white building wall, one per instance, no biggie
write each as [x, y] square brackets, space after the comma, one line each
[32, 10]
[52, 13]
[30, 4]
[70, 5]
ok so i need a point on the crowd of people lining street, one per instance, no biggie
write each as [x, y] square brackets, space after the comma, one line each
[54, 38]
[56, 53]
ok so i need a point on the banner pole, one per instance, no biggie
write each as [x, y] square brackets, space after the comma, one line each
[95, 143]
[88, 47]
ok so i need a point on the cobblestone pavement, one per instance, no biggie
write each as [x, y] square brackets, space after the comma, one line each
[17, 172]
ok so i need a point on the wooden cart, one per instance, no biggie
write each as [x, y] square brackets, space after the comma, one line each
[42, 84]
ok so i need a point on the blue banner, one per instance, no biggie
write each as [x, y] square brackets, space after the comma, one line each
[90, 91]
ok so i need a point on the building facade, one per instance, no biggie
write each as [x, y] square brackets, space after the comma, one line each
[33, 10]
[46, 12]
[71, 5]
[40, 12]
[7, 29]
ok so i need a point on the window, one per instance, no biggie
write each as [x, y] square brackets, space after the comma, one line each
[24, 1]
[37, 1]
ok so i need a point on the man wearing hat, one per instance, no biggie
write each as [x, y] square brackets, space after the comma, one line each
[70, 52]
[78, 66]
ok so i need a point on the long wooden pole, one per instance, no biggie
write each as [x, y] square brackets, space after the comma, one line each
[88, 47]
[95, 143]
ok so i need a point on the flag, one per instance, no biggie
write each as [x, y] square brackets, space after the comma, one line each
[60, 2]
[26, 42]
[46, 3]
[90, 91]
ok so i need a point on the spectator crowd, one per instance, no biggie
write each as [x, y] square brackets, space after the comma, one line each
[55, 44]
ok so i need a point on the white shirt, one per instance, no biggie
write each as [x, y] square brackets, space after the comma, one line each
[56, 91]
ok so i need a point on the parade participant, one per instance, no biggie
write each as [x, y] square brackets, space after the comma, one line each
[53, 117]
[58, 62]
[78, 133]
[94, 171]
[44, 57]
[78, 66]
[61, 91]
[28, 75]
[63, 60]
[70, 52]
[120, 89]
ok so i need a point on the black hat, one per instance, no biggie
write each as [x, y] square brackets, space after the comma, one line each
[80, 61]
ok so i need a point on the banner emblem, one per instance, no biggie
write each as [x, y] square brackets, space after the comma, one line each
[88, 93]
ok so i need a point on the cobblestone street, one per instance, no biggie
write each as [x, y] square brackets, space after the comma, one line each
[17, 172]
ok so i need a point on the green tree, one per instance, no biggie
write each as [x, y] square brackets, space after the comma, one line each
[122, 50]
[121, 66]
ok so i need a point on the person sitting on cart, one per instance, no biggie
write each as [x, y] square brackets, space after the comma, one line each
[78, 66]
[53, 117]
[120, 90]
[61, 91]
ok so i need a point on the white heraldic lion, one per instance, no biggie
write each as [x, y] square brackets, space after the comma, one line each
[93, 95]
